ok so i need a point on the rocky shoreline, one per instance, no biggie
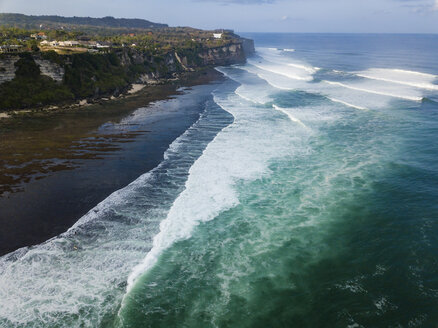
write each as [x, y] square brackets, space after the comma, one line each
[130, 91]
[56, 165]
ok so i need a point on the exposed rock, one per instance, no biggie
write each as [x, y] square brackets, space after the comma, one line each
[55, 71]
[149, 78]
[7, 68]
[248, 46]
[225, 55]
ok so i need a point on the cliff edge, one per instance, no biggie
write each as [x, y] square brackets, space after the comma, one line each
[39, 79]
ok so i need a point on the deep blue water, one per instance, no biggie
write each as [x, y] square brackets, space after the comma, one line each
[304, 196]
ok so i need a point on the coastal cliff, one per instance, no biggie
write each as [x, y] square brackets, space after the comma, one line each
[38, 79]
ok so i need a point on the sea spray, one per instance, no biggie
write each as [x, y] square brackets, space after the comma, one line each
[289, 115]
[403, 77]
[376, 90]
[226, 160]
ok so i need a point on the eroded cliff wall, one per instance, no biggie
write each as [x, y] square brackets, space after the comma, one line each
[48, 78]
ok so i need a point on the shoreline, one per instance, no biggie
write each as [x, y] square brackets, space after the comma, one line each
[131, 90]
[55, 166]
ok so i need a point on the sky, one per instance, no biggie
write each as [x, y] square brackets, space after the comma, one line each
[331, 16]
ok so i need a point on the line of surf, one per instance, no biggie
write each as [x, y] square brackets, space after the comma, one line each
[414, 73]
[279, 49]
[281, 71]
[209, 189]
[101, 249]
[259, 98]
[411, 98]
[176, 226]
[347, 104]
[427, 86]
[289, 115]
[309, 69]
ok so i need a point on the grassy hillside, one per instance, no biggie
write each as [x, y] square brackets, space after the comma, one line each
[55, 22]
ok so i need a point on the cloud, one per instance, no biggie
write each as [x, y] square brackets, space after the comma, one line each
[420, 6]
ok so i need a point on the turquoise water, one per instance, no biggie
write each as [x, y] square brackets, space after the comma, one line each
[304, 196]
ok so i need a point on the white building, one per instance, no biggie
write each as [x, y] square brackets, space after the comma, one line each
[217, 35]
[70, 43]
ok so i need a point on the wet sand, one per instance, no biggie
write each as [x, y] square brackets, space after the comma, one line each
[56, 166]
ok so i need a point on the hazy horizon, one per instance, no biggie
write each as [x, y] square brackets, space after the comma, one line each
[314, 16]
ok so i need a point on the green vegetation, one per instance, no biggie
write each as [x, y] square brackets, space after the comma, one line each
[91, 75]
[107, 55]
[58, 22]
[86, 76]
[30, 89]
[163, 40]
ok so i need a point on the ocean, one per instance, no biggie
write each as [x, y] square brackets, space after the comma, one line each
[305, 195]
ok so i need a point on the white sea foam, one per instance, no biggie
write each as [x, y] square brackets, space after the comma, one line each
[289, 115]
[355, 95]
[346, 103]
[351, 98]
[240, 151]
[409, 78]
[280, 58]
[374, 90]
[291, 70]
[309, 69]
[276, 81]
[392, 83]
[76, 273]
[251, 88]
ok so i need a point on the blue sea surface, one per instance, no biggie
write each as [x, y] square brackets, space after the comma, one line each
[306, 195]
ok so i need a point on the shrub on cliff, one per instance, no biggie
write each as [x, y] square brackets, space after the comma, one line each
[89, 75]
[26, 67]
[30, 89]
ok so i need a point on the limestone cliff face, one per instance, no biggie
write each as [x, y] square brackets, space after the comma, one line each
[55, 71]
[7, 68]
[234, 53]
[153, 68]
[248, 46]
[176, 62]
[226, 55]
[48, 68]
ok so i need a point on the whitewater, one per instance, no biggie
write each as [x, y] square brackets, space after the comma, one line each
[302, 196]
